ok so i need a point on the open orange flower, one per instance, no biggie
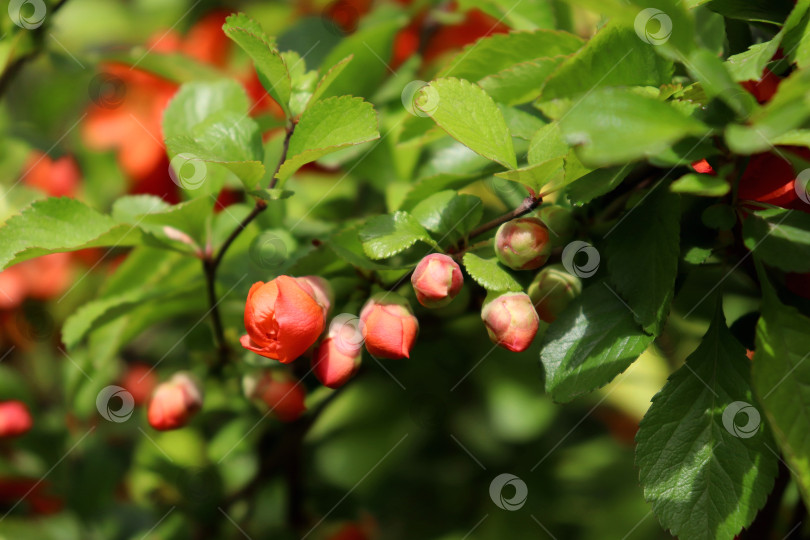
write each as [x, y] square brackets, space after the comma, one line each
[282, 318]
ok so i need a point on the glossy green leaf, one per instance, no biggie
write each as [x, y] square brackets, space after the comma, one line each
[780, 378]
[470, 116]
[449, 215]
[703, 185]
[704, 473]
[58, 225]
[642, 254]
[489, 273]
[615, 56]
[387, 235]
[593, 340]
[780, 238]
[327, 126]
[612, 126]
[266, 58]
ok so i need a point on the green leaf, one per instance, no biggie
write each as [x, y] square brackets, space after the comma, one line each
[57, 225]
[547, 143]
[642, 251]
[328, 78]
[789, 109]
[347, 245]
[489, 273]
[703, 185]
[470, 116]
[370, 46]
[499, 52]
[780, 237]
[593, 340]
[104, 310]
[191, 159]
[266, 58]
[780, 374]
[522, 82]
[540, 178]
[449, 214]
[596, 183]
[384, 236]
[522, 124]
[195, 102]
[717, 82]
[612, 126]
[274, 194]
[327, 126]
[615, 56]
[705, 482]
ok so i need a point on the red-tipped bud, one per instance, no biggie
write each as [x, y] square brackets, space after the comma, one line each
[174, 402]
[552, 290]
[436, 280]
[284, 396]
[511, 321]
[389, 326]
[523, 244]
[14, 419]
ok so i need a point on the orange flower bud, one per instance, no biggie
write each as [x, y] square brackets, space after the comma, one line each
[523, 244]
[283, 318]
[390, 327]
[436, 280]
[333, 364]
[14, 419]
[284, 396]
[174, 403]
[552, 290]
[511, 321]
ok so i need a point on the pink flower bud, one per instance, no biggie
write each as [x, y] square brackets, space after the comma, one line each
[174, 402]
[510, 320]
[436, 280]
[390, 327]
[333, 364]
[552, 290]
[283, 395]
[523, 244]
[14, 419]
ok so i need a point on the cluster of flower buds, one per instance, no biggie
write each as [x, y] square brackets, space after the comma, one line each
[288, 317]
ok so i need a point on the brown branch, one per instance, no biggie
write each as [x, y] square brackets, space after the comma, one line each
[528, 204]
